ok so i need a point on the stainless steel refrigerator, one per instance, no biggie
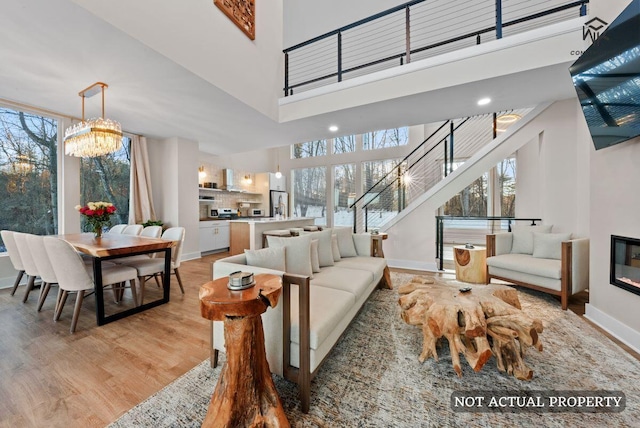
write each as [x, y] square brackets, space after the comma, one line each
[278, 203]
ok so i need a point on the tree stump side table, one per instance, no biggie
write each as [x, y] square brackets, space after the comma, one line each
[245, 394]
[471, 264]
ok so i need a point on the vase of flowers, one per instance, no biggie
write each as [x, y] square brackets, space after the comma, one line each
[97, 215]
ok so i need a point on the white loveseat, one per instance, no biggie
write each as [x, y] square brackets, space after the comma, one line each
[532, 257]
[321, 303]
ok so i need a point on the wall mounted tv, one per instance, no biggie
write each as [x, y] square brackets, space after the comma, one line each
[607, 80]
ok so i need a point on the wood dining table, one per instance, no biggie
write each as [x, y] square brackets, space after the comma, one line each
[113, 246]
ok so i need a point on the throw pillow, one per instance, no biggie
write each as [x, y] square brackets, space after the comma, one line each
[345, 241]
[297, 253]
[335, 249]
[268, 258]
[325, 253]
[523, 237]
[315, 261]
[549, 245]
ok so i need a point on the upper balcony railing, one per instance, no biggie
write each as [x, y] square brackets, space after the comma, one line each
[412, 31]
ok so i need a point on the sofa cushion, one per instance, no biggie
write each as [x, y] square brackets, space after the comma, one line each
[523, 237]
[315, 261]
[355, 281]
[527, 264]
[270, 258]
[549, 245]
[335, 250]
[345, 241]
[325, 253]
[297, 253]
[375, 265]
[327, 307]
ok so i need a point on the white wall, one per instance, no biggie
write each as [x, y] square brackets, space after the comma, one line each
[174, 175]
[615, 204]
[553, 174]
[305, 19]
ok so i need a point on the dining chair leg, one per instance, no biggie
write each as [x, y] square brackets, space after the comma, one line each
[15, 284]
[114, 289]
[142, 280]
[157, 281]
[44, 291]
[32, 280]
[179, 280]
[58, 298]
[134, 293]
[61, 302]
[76, 310]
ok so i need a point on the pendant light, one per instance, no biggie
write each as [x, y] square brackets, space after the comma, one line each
[93, 137]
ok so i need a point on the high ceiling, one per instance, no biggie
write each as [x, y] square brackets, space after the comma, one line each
[52, 49]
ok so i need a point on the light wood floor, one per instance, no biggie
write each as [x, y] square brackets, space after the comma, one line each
[49, 377]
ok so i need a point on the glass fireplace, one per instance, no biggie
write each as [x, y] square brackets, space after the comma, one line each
[625, 263]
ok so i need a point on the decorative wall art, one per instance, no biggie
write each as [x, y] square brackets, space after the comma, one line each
[242, 13]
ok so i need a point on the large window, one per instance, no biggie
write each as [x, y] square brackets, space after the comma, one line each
[344, 194]
[106, 178]
[346, 144]
[309, 149]
[388, 138]
[28, 173]
[310, 193]
[506, 182]
[381, 203]
[471, 201]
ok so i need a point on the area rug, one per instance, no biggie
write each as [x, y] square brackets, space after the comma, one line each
[373, 378]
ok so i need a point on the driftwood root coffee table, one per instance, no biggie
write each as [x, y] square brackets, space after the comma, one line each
[486, 320]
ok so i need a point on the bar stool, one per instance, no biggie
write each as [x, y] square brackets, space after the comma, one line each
[295, 231]
[311, 228]
[282, 233]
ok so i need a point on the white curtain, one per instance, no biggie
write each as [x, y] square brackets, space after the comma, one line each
[140, 197]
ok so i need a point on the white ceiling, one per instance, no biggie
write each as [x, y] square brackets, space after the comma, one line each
[52, 49]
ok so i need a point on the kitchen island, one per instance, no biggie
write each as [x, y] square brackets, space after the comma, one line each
[247, 233]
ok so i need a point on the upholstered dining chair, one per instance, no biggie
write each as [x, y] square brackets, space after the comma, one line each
[155, 266]
[133, 229]
[14, 256]
[118, 228]
[30, 267]
[152, 231]
[45, 269]
[74, 276]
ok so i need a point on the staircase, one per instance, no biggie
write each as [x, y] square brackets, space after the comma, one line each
[454, 155]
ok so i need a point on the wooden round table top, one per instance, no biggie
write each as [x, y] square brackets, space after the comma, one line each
[217, 302]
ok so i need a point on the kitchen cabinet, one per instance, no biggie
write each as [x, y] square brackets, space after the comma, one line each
[214, 235]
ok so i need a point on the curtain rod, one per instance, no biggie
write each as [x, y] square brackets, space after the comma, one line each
[20, 105]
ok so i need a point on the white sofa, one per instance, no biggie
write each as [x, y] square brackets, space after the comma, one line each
[321, 305]
[533, 258]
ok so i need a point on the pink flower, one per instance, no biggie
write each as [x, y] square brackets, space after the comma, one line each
[111, 209]
[89, 212]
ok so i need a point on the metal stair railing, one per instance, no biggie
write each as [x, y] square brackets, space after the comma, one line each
[434, 159]
[412, 31]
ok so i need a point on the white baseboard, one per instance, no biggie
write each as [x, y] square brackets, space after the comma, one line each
[190, 256]
[620, 331]
[413, 265]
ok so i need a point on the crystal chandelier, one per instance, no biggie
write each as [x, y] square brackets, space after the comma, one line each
[93, 137]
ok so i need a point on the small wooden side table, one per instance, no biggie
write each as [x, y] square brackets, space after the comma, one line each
[471, 264]
[245, 394]
[376, 251]
[376, 244]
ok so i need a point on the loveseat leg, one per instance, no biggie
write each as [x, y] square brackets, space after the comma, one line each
[214, 358]
[564, 301]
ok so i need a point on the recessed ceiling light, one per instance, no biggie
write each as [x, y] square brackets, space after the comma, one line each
[484, 101]
[333, 128]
